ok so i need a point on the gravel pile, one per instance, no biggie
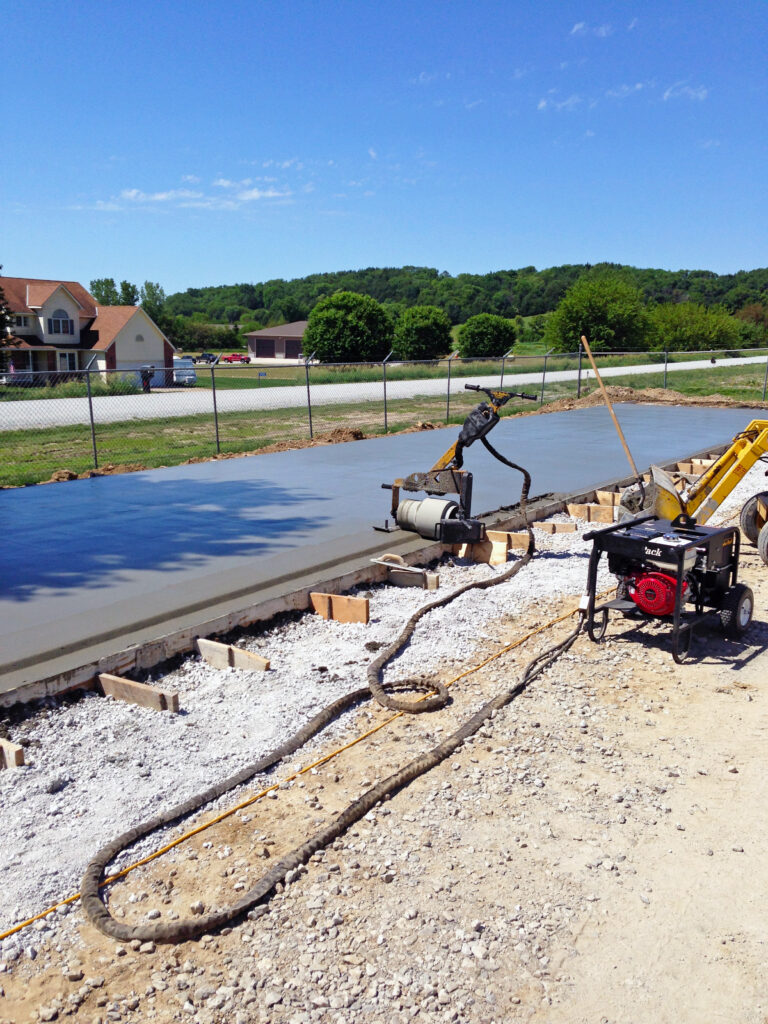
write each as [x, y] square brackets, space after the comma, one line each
[96, 767]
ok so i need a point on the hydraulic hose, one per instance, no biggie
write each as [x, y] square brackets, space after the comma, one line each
[190, 928]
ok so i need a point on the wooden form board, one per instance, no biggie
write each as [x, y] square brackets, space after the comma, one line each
[340, 607]
[555, 527]
[592, 513]
[608, 497]
[143, 694]
[495, 549]
[226, 656]
[11, 754]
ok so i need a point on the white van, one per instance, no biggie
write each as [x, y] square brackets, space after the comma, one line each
[184, 371]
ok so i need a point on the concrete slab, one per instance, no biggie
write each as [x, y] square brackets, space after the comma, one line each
[101, 562]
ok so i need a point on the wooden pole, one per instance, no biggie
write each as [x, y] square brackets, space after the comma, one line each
[619, 431]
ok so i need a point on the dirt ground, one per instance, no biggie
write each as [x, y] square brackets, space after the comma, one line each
[597, 854]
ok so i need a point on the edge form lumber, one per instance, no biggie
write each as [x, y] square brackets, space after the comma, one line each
[226, 656]
[143, 694]
[11, 754]
[340, 607]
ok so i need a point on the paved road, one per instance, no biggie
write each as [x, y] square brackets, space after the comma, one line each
[54, 412]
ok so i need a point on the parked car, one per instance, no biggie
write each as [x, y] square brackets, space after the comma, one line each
[206, 357]
[22, 379]
[235, 357]
[184, 371]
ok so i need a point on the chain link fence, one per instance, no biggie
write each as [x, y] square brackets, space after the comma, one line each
[55, 425]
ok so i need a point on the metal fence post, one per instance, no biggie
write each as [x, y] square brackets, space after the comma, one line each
[666, 357]
[504, 359]
[544, 375]
[765, 378]
[309, 396]
[215, 409]
[90, 415]
[578, 379]
[384, 382]
[448, 393]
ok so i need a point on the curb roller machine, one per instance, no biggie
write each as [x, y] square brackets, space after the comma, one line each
[437, 517]
[663, 566]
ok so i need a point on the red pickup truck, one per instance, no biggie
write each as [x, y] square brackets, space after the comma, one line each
[234, 357]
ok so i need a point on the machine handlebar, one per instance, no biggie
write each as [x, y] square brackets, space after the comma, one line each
[501, 397]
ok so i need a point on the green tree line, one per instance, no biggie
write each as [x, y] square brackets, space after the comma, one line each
[509, 293]
[410, 310]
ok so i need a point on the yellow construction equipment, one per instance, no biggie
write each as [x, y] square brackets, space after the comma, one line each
[701, 497]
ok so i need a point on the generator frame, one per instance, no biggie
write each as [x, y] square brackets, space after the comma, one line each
[714, 580]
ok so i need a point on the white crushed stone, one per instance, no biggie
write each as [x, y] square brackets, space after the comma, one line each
[97, 767]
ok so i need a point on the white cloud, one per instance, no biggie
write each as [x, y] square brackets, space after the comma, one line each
[573, 101]
[284, 165]
[710, 143]
[249, 195]
[226, 183]
[237, 194]
[190, 179]
[589, 134]
[472, 104]
[633, 24]
[373, 154]
[682, 89]
[581, 28]
[623, 91]
[135, 195]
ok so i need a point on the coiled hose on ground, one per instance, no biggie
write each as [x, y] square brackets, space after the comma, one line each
[191, 928]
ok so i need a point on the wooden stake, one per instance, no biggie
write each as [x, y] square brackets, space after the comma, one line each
[11, 754]
[143, 694]
[340, 607]
[619, 431]
[226, 656]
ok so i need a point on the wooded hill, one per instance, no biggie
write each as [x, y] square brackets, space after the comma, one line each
[508, 293]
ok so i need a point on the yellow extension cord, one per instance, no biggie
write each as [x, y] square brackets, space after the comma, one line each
[301, 771]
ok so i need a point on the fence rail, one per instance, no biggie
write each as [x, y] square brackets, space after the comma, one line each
[83, 422]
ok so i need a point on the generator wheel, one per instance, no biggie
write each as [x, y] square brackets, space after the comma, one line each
[737, 609]
[681, 644]
[598, 627]
[762, 543]
[750, 525]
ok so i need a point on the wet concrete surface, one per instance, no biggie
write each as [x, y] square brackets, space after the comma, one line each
[108, 559]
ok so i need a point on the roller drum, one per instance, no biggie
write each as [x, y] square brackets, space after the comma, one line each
[424, 516]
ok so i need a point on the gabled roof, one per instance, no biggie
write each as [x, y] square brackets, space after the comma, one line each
[27, 294]
[108, 324]
[293, 330]
[106, 327]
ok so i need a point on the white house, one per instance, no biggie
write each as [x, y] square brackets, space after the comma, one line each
[57, 327]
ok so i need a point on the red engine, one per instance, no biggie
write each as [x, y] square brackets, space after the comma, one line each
[653, 592]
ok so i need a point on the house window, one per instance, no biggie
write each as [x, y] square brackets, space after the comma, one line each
[21, 321]
[139, 337]
[60, 323]
[67, 361]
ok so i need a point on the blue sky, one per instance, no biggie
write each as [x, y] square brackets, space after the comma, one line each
[203, 143]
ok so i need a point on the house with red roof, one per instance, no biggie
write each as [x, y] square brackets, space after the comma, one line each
[57, 327]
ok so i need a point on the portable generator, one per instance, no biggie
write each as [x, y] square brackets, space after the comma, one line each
[663, 566]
